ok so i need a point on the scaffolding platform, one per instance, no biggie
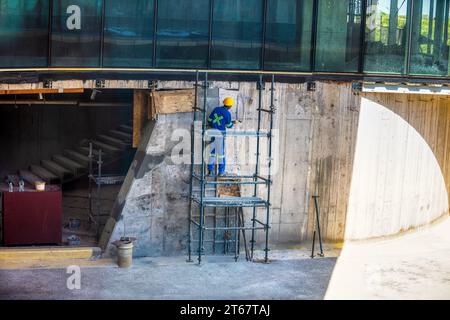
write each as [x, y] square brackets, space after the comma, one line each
[217, 220]
[233, 133]
[231, 202]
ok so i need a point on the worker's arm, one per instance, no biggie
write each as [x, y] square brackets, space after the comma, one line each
[210, 120]
[229, 123]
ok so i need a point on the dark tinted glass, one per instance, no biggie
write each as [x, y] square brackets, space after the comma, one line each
[288, 35]
[183, 33]
[386, 36]
[76, 33]
[237, 34]
[429, 39]
[23, 33]
[128, 38]
[338, 35]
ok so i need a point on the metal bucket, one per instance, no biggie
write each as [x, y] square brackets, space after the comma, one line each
[125, 254]
[40, 185]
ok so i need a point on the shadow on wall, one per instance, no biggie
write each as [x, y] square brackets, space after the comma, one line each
[397, 182]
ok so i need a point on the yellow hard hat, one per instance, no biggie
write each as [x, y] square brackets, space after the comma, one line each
[228, 102]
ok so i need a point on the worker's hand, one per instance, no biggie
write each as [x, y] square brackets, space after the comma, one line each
[237, 121]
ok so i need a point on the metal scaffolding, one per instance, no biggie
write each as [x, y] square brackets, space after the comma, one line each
[222, 218]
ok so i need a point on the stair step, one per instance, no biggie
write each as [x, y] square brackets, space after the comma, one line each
[77, 156]
[29, 177]
[125, 128]
[70, 164]
[60, 171]
[114, 141]
[105, 147]
[121, 135]
[44, 174]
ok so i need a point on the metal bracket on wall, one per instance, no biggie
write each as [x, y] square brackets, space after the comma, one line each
[100, 83]
[260, 85]
[47, 84]
[311, 86]
[152, 84]
[356, 87]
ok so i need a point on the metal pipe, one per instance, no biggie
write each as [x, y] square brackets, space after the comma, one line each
[255, 190]
[269, 175]
[194, 118]
[313, 244]
[64, 103]
[234, 228]
[236, 236]
[202, 183]
[316, 204]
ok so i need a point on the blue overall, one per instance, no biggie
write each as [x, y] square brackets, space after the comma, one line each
[220, 119]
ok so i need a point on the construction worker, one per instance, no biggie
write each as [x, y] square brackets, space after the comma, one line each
[220, 119]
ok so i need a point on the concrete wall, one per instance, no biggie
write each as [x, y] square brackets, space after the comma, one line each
[378, 163]
[401, 172]
[312, 149]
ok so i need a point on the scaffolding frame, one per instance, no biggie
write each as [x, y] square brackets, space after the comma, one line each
[201, 201]
[98, 180]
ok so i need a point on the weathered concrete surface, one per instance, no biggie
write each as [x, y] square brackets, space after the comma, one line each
[399, 175]
[316, 137]
[153, 204]
[292, 276]
[412, 266]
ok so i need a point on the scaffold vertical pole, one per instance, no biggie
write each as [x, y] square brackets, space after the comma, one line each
[202, 174]
[260, 87]
[269, 174]
[192, 168]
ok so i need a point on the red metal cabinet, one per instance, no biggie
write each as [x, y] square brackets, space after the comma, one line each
[32, 218]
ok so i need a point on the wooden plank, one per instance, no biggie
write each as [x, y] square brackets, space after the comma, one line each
[140, 102]
[174, 101]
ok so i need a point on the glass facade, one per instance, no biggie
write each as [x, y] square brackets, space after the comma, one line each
[381, 37]
[183, 34]
[386, 36]
[288, 35]
[76, 33]
[128, 33]
[429, 38]
[338, 35]
[24, 33]
[237, 34]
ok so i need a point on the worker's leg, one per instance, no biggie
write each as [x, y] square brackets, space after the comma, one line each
[212, 158]
[221, 155]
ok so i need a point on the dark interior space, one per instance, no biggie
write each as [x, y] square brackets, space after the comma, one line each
[80, 146]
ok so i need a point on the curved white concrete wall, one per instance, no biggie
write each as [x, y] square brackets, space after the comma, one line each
[397, 183]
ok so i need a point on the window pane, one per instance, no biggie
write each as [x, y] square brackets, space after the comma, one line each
[76, 30]
[128, 38]
[386, 36]
[183, 33]
[23, 33]
[338, 35]
[288, 35]
[429, 39]
[237, 34]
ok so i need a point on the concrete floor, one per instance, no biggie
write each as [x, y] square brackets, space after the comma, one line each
[412, 266]
[291, 275]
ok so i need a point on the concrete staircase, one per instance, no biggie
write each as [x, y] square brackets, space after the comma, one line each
[74, 163]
